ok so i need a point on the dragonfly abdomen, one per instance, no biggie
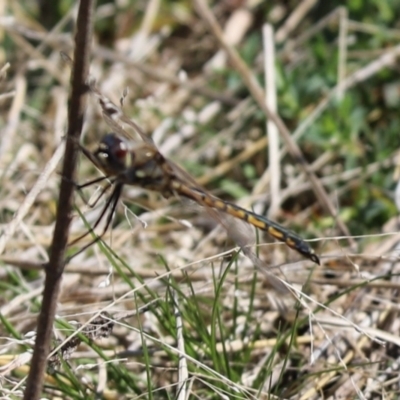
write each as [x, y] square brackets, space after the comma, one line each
[275, 230]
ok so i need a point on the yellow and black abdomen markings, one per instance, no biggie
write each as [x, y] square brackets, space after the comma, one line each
[275, 230]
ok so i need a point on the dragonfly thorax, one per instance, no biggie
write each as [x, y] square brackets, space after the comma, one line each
[132, 163]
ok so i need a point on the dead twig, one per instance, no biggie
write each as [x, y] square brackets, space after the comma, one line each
[55, 267]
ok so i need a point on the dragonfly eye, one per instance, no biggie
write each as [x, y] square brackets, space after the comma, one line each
[119, 151]
[111, 153]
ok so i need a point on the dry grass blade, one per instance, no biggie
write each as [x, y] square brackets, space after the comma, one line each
[10, 229]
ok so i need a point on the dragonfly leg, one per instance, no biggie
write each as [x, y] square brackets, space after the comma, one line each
[79, 188]
[110, 205]
[104, 190]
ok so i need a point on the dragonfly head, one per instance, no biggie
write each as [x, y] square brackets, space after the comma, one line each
[111, 155]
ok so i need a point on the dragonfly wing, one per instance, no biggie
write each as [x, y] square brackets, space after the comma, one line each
[243, 235]
[239, 231]
[185, 177]
[112, 114]
[117, 120]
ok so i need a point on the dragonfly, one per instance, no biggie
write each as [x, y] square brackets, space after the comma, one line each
[125, 161]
